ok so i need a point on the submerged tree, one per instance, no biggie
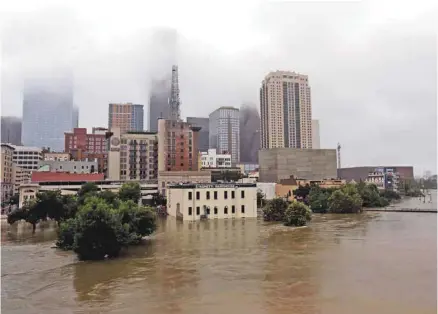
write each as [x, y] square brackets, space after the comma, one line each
[130, 191]
[274, 209]
[297, 214]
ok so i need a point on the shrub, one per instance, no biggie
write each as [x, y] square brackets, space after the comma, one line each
[297, 214]
[66, 234]
[274, 210]
[345, 202]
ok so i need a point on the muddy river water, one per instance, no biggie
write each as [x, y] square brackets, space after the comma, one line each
[367, 263]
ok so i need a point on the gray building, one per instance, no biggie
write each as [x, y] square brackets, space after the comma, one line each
[158, 103]
[224, 129]
[281, 163]
[47, 111]
[71, 166]
[11, 130]
[203, 139]
[75, 117]
[249, 134]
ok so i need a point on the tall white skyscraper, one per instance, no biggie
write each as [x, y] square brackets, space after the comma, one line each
[285, 111]
[315, 134]
[225, 132]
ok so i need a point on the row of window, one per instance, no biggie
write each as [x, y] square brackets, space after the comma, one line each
[215, 210]
[207, 195]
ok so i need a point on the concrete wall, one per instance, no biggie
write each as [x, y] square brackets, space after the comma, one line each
[361, 173]
[312, 164]
[71, 166]
[267, 188]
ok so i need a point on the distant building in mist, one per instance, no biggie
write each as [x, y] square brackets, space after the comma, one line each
[11, 130]
[203, 138]
[224, 132]
[127, 117]
[315, 134]
[158, 103]
[249, 134]
[47, 111]
[75, 117]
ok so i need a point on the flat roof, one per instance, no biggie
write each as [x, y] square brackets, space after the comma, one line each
[210, 185]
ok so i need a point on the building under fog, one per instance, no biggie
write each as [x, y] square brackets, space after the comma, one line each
[249, 134]
[11, 130]
[158, 103]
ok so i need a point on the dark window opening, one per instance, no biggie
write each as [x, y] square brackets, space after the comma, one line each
[190, 196]
[233, 209]
[198, 210]
[243, 209]
[190, 211]
[198, 195]
[215, 195]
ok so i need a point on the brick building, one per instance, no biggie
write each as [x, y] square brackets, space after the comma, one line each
[177, 146]
[82, 146]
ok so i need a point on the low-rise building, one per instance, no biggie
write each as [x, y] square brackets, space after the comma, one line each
[361, 173]
[172, 177]
[384, 179]
[20, 176]
[211, 159]
[56, 156]
[7, 183]
[70, 166]
[191, 202]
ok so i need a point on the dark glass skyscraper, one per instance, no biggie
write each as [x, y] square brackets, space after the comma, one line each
[203, 139]
[47, 111]
[158, 103]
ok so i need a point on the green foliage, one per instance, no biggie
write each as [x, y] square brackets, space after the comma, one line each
[109, 197]
[14, 200]
[66, 233]
[87, 190]
[371, 196]
[275, 209]
[261, 200]
[159, 199]
[390, 195]
[130, 191]
[302, 191]
[297, 214]
[140, 221]
[318, 199]
[345, 200]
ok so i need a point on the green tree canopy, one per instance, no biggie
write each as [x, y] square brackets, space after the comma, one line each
[130, 191]
[345, 200]
[274, 209]
[297, 214]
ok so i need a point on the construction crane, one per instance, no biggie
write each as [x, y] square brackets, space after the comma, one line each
[174, 101]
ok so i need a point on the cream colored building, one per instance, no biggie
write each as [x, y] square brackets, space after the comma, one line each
[20, 176]
[191, 202]
[285, 111]
[316, 142]
[7, 183]
[56, 156]
[171, 177]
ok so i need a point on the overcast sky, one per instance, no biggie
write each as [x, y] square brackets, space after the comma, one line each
[371, 64]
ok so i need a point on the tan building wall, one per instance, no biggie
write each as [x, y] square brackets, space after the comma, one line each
[286, 187]
[216, 201]
[168, 177]
[7, 184]
[56, 156]
[285, 128]
[113, 172]
[20, 176]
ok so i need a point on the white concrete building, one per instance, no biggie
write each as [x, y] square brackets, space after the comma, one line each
[268, 189]
[211, 159]
[27, 157]
[70, 166]
[315, 135]
[191, 202]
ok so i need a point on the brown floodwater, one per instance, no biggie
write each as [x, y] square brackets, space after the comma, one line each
[367, 263]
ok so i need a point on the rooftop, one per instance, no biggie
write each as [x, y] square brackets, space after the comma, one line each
[210, 185]
[26, 148]
[66, 177]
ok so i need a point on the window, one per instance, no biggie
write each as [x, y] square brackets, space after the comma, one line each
[208, 195]
[215, 195]
[232, 194]
[190, 211]
[198, 210]
[242, 194]
[215, 210]
[225, 195]
[226, 210]
[208, 210]
[233, 209]
[190, 196]
[242, 209]
[198, 195]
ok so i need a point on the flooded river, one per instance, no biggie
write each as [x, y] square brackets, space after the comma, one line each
[367, 263]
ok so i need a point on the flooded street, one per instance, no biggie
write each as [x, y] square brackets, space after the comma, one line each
[368, 263]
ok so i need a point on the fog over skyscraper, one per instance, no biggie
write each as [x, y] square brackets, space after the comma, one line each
[11, 130]
[47, 110]
[225, 132]
[249, 133]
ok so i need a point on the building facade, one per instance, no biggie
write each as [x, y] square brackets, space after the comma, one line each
[173, 177]
[20, 176]
[276, 164]
[7, 183]
[285, 111]
[224, 129]
[27, 157]
[210, 159]
[85, 146]
[361, 173]
[384, 179]
[47, 111]
[56, 156]
[192, 202]
[11, 130]
[159, 107]
[204, 124]
[70, 166]
[133, 156]
[177, 146]
[127, 117]
[316, 142]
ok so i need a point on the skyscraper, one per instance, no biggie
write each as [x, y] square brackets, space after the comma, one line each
[11, 130]
[249, 133]
[47, 111]
[225, 132]
[286, 111]
[158, 103]
[203, 123]
[127, 117]
[75, 117]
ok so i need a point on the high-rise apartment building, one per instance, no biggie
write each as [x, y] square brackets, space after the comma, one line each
[47, 111]
[315, 134]
[286, 111]
[177, 146]
[82, 145]
[7, 183]
[159, 107]
[127, 117]
[133, 156]
[204, 124]
[11, 130]
[224, 131]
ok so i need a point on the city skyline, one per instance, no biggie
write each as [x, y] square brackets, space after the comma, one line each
[354, 76]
